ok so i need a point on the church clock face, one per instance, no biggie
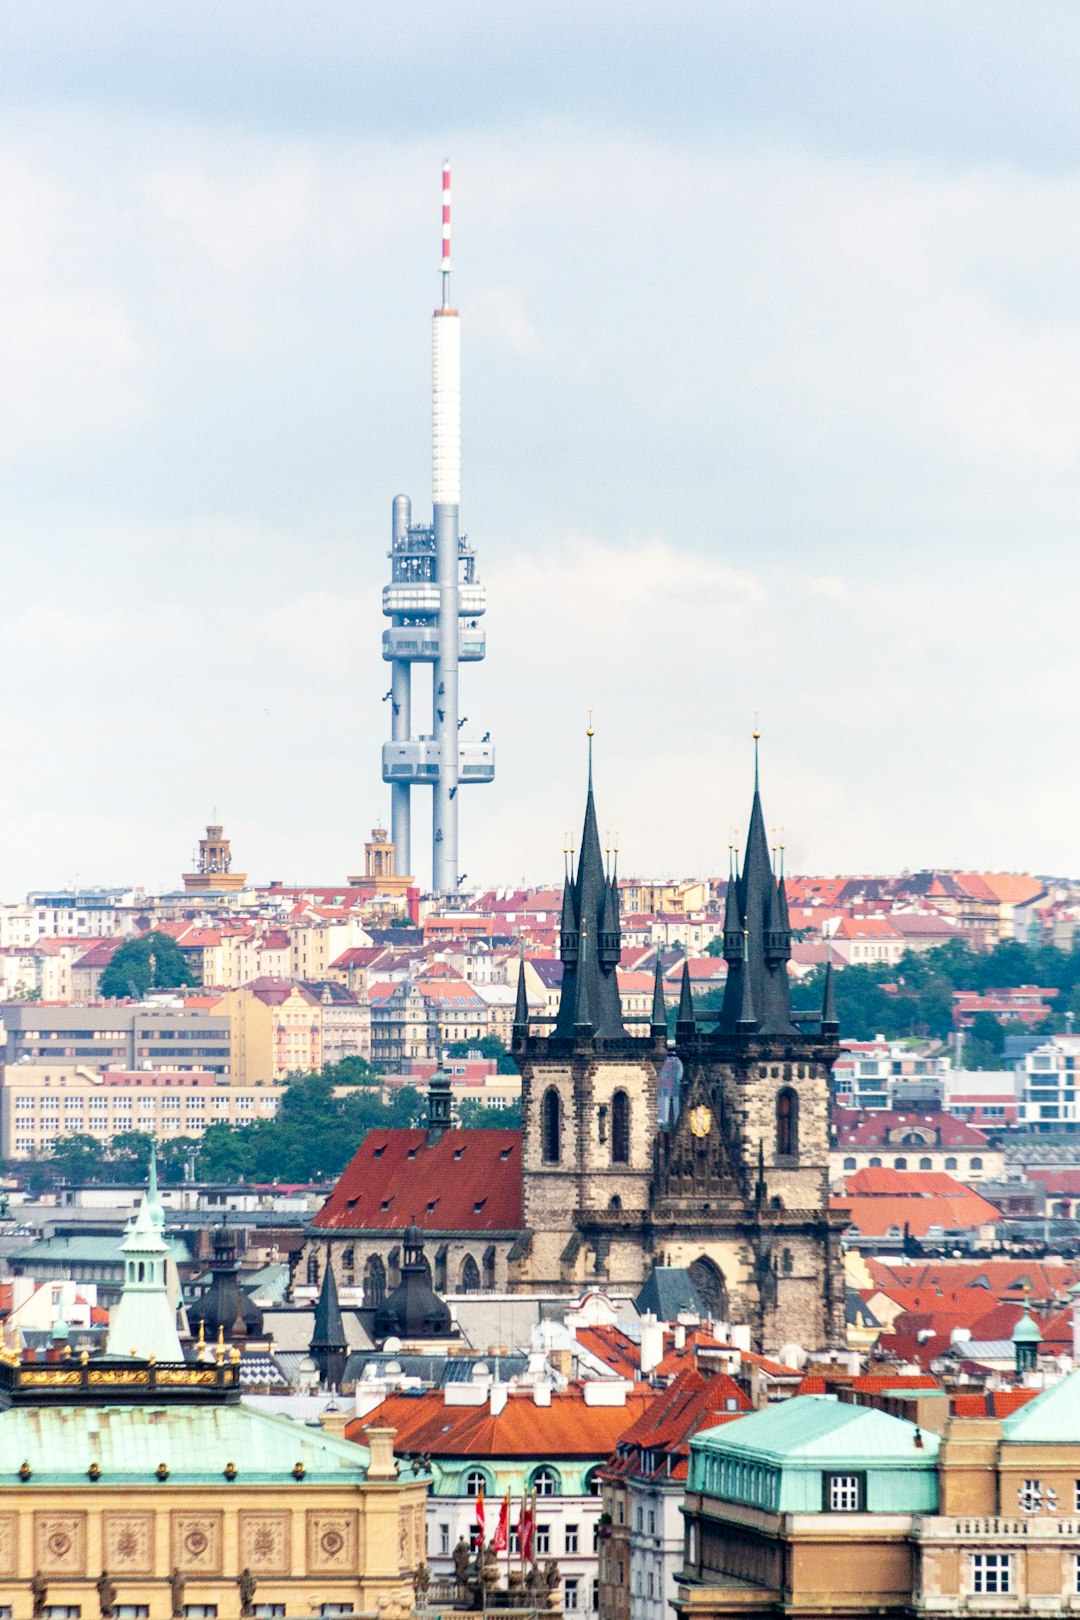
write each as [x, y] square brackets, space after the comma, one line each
[700, 1120]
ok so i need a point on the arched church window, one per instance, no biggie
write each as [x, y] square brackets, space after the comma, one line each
[708, 1279]
[787, 1124]
[620, 1128]
[470, 1276]
[551, 1126]
[374, 1281]
[312, 1269]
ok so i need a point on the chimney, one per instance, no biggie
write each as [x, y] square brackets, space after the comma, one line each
[680, 1335]
[499, 1392]
[381, 1445]
[652, 1343]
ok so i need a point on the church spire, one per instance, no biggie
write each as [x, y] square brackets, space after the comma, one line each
[143, 1321]
[590, 907]
[830, 1024]
[521, 1005]
[329, 1347]
[658, 1021]
[758, 954]
[685, 1022]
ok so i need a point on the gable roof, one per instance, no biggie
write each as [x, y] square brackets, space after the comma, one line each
[569, 1427]
[818, 1428]
[466, 1181]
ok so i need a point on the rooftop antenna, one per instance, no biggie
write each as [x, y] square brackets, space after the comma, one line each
[446, 265]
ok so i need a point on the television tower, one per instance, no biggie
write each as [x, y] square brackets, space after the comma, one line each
[434, 603]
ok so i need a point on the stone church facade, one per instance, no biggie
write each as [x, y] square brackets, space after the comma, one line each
[736, 1189]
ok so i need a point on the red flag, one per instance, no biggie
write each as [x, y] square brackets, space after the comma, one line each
[526, 1520]
[502, 1529]
[480, 1510]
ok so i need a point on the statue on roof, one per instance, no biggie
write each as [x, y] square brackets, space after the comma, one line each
[39, 1591]
[247, 1584]
[106, 1591]
[176, 1589]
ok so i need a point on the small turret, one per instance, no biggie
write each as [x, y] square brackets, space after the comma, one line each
[685, 1021]
[830, 1024]
[329, 1348]
[521, 1006]
[568, 932]
[658, 1020]
[439, 1107]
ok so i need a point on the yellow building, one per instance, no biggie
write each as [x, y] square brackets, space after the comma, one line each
[276, 1030]
[40, 1102]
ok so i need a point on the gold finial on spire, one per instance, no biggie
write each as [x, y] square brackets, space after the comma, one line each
[590, 733]
[757, 739]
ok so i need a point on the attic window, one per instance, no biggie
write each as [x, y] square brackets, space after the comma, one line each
[506, 1152]
[352, 1203]
[412, 1153]
[479, 1205]
[379, 1151]
[387, 1202]
[459, 1153]
[431, 1206]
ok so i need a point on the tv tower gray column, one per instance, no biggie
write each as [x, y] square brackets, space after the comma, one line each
[401, 725]
[434, 602]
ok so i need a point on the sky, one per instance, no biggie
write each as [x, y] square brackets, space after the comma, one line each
[771, 372]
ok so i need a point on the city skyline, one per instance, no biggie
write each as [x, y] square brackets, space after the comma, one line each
[772, 405]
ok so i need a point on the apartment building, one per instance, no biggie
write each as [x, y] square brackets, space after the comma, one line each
[40, 1102]
[144, 1035]
[1048, 1086]
[276, 1030]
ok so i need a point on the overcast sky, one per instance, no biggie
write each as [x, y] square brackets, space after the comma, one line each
[771, 328]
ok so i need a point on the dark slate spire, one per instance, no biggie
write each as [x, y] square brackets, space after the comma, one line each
[757, 971]
[747, 1023]
[685, 1022]
[830, 1024]
[521, 1005]
[329, 1347]
[583, 1021]
[590, 907]
[658, 1021]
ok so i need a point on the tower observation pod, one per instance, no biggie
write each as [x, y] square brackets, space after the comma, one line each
[434, 603]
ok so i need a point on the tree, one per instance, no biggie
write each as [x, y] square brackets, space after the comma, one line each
[488, 1046]
[715, 947]
[128, 1159]
[478, 1116]
[154, 962]
[76, 1158]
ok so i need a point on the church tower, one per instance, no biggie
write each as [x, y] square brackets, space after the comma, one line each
[742, 1194]
[588, 1098]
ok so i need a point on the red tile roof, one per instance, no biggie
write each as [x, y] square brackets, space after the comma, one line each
[467, 1181]
[884, 1183]
[878, 1217]
[566, 1428]
[868, 1127]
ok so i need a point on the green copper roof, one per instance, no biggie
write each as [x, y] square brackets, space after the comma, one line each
[816, 1428]
[1052, 1418]
[194, 1442]
[1026, 1331]
[90, 1250]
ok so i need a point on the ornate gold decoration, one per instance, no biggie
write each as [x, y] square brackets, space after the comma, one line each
[117, 1375]
[185, 1375]
[41, 1377]
[700, 1120]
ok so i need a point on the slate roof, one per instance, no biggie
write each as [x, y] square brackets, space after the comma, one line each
[466, 1181]
[668, 1290]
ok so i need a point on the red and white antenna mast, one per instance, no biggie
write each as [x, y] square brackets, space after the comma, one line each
[446, 265]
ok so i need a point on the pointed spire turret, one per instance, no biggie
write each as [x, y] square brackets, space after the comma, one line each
[590, 990]
[685, 1021]
[757, 996]
[521, 1005]
[830, 1024]
[658, 1021]
[747, 1023]
[583, 1018]
[329, 1348]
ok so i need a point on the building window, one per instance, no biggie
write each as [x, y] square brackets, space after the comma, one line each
[475, 1482]
[787, 1124]
[1030, 1496]
[844, 1493]
[899, 1164]
[950, 1164]
[444, 1539]
[64, 1611]
[849, 1164]
[926, 1164]
[595, 1539]
[198, 1611]
[1076, 1574]
[543, 1540]
[595, 1595]
[691, 1544]
[991, 1572]
[652, 1522]
[620, 1128]
[619, 1511]
[545, 1482]
[977, 1164]
[570, 1592]
[571, 1543]
[263, 1611]
[128, 1611]
[470, 1276]
[551, 1109]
